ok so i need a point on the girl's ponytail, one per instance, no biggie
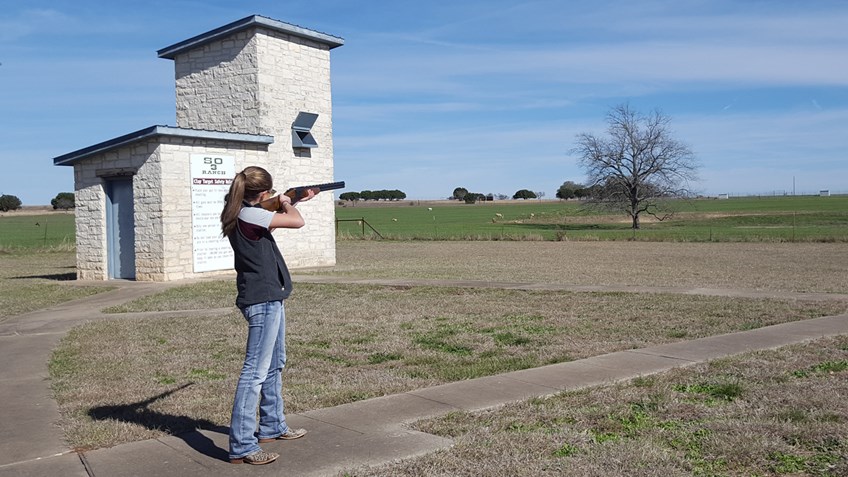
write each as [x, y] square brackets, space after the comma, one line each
[232, 205]
[247, 185]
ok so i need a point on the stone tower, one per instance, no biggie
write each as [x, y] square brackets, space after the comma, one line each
[253, 92]
[255, 76]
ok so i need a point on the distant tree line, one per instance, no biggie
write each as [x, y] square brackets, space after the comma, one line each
[568, 190]
[373, 195]
[524, 194]
[574, 190]
[9, 202]
[63, 201]
[462, 194]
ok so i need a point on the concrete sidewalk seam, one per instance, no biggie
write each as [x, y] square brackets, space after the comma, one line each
[685, 361]
[86, 465]
[36, 459]
[435, 401]
[322, 421]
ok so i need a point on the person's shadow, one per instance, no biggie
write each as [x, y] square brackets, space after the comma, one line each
[186, 428]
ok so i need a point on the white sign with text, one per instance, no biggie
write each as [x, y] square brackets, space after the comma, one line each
[211, 176]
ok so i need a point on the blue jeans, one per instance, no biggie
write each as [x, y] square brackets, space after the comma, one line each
[260, 382]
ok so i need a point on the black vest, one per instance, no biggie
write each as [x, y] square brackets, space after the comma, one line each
[262, 274]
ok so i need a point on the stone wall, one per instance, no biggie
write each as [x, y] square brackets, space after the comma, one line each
[217, 86]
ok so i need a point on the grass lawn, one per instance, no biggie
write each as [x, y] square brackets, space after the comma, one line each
[347, 343]
[37, 260]
[33, 279]
[772, 219]
[779, 412]
[782, 412]
[749, 219]
[54, 231]
[137, 376]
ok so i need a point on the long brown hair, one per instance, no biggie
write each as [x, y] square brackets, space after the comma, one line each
[246, 185]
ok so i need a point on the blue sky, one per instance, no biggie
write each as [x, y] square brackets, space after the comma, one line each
[487, 95]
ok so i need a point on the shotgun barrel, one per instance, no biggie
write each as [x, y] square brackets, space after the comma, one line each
[296, 193]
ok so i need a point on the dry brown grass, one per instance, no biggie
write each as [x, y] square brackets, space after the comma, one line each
[779, 412]
[347, 343]
[796, 267]
[139, 377]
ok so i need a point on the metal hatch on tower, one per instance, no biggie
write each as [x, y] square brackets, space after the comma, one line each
[301, 130]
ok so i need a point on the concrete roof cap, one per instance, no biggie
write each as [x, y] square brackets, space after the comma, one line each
[198, 41]
[153, 131]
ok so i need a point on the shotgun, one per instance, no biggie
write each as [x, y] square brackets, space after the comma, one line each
[297, 193]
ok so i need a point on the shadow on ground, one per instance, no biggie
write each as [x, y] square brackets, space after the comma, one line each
[186, 428]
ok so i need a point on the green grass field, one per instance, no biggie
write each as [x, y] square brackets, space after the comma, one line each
[37, 232]
[750, 219]
[799, 218]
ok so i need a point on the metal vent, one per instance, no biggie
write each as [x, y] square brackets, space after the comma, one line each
[301, 130]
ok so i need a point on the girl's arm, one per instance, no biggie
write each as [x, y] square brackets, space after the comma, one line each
[289, 217]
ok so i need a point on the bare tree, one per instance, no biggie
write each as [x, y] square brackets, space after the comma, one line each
[638, 165]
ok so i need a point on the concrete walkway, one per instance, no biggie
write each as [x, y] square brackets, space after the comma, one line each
[368, 432]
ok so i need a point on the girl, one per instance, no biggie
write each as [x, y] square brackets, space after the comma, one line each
[263, 283]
